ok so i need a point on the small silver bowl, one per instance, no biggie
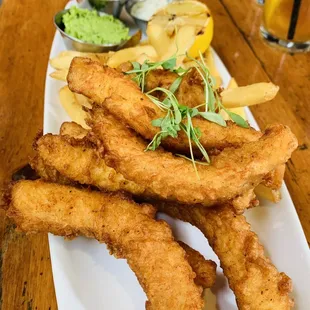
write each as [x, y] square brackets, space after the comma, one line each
[142, 24]
[111, 7]
[72, 43]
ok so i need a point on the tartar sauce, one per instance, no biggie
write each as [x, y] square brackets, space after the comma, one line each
[145, 9]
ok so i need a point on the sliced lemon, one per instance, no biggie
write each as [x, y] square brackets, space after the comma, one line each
[179, 28]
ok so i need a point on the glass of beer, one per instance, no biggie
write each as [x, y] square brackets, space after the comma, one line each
[287, 23]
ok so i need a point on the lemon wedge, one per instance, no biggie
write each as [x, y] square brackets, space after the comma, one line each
[181, 27]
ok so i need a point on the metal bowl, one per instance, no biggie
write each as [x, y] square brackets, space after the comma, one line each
[142, 24]
[72, 43]
[111, 7]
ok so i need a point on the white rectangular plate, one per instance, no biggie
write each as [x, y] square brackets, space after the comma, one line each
[87, 277]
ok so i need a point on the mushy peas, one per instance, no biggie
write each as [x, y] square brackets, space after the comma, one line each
[89, 27]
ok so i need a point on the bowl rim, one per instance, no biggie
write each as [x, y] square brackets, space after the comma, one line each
[129, 4]
[78, 40]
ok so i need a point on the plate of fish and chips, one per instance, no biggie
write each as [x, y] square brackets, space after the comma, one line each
[193, 218]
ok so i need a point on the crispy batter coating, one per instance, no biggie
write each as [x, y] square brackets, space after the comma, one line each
[272, 180]
[78, 161]
[232, 173]
[47, 172]
[254, 279]
[127, 228]
[190, 92]
[122, 97]
[205, 269]
[73, 129]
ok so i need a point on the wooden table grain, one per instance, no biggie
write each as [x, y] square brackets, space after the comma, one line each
[26, 33]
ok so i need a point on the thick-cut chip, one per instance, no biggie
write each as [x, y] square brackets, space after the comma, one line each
[72, 107]
[253, 278]
[232, 173]
[122, 97]
[127, 228]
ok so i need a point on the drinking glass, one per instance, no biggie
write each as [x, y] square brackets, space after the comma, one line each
[286, 23]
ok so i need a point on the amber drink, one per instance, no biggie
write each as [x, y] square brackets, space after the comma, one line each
[287, 23]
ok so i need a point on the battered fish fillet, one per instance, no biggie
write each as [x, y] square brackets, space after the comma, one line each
[205, 269]
[73, 129]
[232, 173]
[253, 278]
[127, 228]
[79, 161]
[47, 172]
[190, 92]
[122, 98]
[273, 180]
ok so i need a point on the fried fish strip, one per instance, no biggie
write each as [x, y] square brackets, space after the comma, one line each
[127, 228]
[73, 130]
[190, 92]
[232, 173]
[205, 269]
[253, 278]
[78, 161]
[270, 185]
[122, 98]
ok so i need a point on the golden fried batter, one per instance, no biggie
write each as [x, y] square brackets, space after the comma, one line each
[253, 278]
[232, 173]
[205, 269]
[273, 180]
[78, 161]
[73, 129]
[122, 98]
[127, 228]
[190, 92]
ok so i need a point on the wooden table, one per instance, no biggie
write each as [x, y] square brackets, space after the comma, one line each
[26, 35]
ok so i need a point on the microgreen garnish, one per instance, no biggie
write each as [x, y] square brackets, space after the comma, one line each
[141, 70]
[213, 103]
[179, 117]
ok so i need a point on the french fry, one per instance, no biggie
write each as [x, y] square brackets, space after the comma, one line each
[143, 57]
[249, 95]
[232, 84]
[60, 75]
[63, 59]
[72, 107]
[267, 193]
[82, 100]
[261, 190]
[131, 54]
[240, 111]
[212, 67]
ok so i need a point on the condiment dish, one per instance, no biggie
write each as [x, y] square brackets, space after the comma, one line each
[72, 43]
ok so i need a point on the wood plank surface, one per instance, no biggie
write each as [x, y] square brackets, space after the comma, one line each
[26, 32]
[250, 59]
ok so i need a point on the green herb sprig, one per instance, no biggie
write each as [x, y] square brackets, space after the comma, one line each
[142, 70]
[213, 103]
[179, 117]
